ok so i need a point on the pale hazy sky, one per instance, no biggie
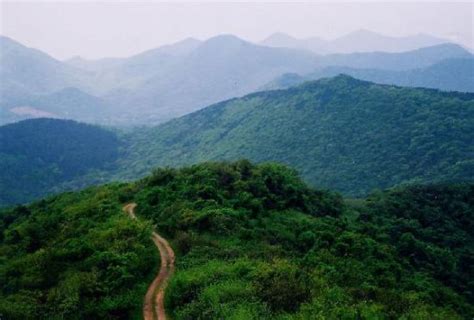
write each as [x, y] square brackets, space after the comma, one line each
[117, 28]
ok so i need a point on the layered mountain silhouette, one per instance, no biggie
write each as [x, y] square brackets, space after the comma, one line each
[340, 133]
[449, 75]
[357, 41]
[173, 80]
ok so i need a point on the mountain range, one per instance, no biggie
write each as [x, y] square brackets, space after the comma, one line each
[340, 133]
[173, 80]
[357, 41]
[448, 75]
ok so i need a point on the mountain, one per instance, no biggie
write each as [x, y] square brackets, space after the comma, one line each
[179, 48]
[225, 67]
[250, 242]
[113, 74]
[449, 75]
[282, 40]
[340, 133]
[161, 83]
[169, 81]
[26, 70]
[37, 85]
[357, 41]
[38, 155]
[219, 68]
[67, 103]
[415, 59]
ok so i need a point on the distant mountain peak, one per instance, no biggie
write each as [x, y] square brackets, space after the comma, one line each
[341, 78]
[364, 32]
[223, 42]
[225, 38]
[279, 36]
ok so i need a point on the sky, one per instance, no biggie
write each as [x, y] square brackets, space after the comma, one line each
[122, 28]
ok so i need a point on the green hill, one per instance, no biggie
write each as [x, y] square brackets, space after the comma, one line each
[339, 133]
[38, 156]
[251, 242]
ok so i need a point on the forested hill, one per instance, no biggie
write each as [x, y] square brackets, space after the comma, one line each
[340, 133]
[251, 242]
[37, 156]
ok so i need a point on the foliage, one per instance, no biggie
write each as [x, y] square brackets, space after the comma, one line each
[340, 133]
[38, 155]
[246, 252]
[252, 242]
[432, 228]
[74, 256]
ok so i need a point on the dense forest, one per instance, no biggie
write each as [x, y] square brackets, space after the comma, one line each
[339, 133]
[252, 242]
[74, 256]
[37, 156]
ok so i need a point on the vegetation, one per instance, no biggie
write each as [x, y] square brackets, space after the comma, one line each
[340, 133]
[252, 242]
[431, 226]
[74, 256]
[37, 156]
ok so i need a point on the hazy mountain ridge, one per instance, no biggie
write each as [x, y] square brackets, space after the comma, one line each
[318, 126]
[448, 75]
[340, 133]
[31, 71]
[174, 80]
[357, 41]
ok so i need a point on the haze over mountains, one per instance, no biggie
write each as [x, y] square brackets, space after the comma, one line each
[173, 80]
[340, 133]
[449, 75]
[372, 219]
[357, 41]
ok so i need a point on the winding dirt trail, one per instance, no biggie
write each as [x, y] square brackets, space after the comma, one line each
[153, 306]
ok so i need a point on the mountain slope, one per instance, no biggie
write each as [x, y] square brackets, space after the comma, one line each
[225, 66]
[173, 80]
[67, 103]
[29, 71]
[251, 242]
[37, 156]
[340, 133]
[449, 75]
[407, 60]
[219, 68]
[357, 41]
[74, 256]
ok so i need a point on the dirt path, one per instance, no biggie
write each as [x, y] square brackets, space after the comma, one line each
[153, 306]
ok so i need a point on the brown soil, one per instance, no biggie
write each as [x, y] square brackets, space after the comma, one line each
[153, 305]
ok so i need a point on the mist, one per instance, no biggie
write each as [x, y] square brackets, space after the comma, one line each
[119, 29]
